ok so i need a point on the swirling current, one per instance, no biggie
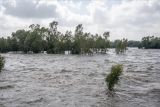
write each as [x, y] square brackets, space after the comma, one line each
[47, 80]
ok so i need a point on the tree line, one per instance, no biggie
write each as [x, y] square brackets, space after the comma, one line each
[38, 39]
[150, 42]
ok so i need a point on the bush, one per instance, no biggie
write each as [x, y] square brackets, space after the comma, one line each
[113, 77]
[121, 46]
[2, 61]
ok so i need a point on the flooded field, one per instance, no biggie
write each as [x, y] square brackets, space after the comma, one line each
[44, 80]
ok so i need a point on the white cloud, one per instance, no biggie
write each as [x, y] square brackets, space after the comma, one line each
[131, 19]
[29, 9]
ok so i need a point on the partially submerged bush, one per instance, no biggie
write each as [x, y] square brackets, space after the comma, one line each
[113, 77]
[2, 61]
[121, 46]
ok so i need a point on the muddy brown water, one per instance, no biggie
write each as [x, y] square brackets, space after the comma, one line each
[43, 80]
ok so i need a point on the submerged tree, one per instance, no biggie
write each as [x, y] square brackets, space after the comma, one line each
[38, 39]
[78, 43]
[121, 46]
[113, 77]
[52, 38]
[133, 43]
[2, 61]
[150, 42]
[3, 45]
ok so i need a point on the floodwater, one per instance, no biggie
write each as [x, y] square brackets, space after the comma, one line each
[44, 80]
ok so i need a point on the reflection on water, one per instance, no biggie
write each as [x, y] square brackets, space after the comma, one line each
[42, 80]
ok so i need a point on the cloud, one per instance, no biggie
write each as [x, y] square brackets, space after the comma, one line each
[131, 19]
[29, 9]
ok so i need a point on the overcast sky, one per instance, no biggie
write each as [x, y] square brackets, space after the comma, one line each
[131, 19]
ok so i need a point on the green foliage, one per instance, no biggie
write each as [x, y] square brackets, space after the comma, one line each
[19, 38]
[38, 39]
[150, 42]
[133, 43]
[113, 77]
[2, 62]
[3, 45]
[121, 46]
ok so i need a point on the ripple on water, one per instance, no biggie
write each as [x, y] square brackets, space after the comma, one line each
[39, 80]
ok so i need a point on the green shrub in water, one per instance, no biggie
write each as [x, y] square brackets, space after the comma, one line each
[2, 61]
[121, 46]
[113, 77]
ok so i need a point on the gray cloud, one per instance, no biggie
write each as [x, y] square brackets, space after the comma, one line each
[132, 19]
[29, 9]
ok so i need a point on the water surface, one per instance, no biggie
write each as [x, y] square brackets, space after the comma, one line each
[42, 80]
